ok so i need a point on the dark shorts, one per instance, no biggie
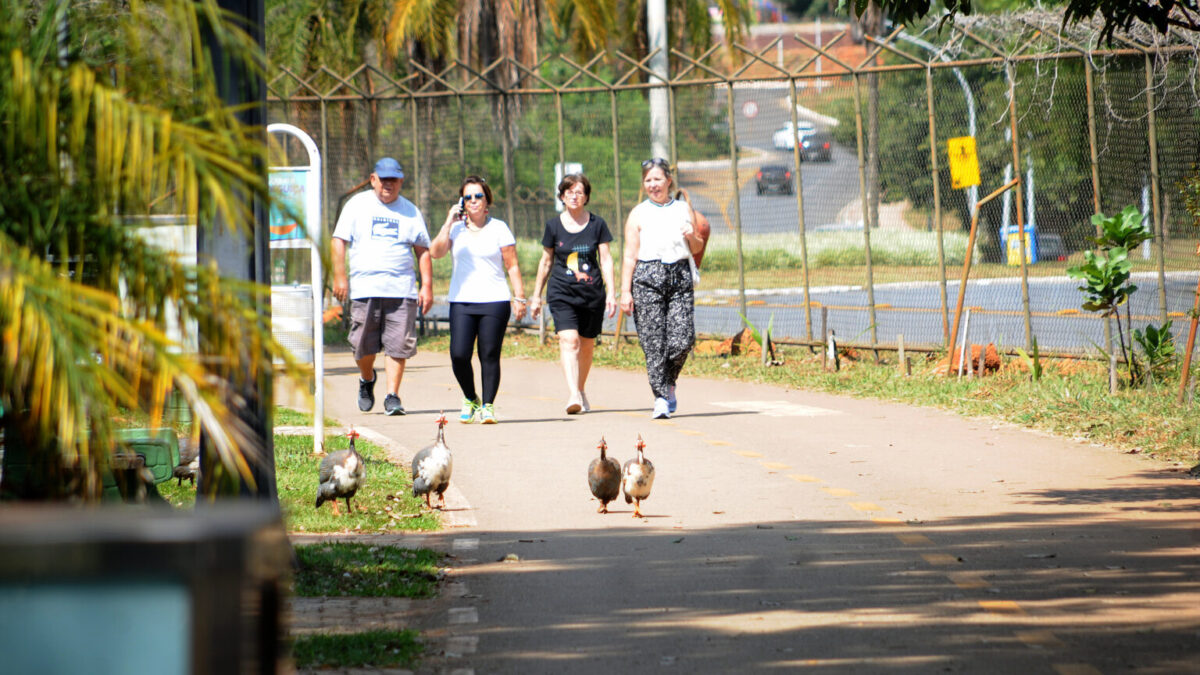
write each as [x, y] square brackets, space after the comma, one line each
[589, 321]
[384, 325]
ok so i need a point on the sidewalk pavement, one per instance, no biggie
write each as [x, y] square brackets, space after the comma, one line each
[756, 484]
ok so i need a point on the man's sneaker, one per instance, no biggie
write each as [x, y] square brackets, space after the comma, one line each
[671, 402]
[662, 409]
[392, 406]
[574, 404]
[584, 401]
[366, 393]
[469, 408]
[487, 414]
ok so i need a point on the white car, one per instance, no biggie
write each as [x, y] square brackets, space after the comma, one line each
[785, 137]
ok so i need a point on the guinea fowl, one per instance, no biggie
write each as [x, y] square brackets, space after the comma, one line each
[637, 478]
[604, 478]
[431, 468]
[189, 461]
[342, 474]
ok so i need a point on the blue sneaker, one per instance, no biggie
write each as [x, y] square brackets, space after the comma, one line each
[469, 408]
[366, 393]
[671, 402]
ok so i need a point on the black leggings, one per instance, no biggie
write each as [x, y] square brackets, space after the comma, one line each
[484, 322]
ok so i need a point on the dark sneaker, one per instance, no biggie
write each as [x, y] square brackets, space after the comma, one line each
[366, 394]
[391, 405]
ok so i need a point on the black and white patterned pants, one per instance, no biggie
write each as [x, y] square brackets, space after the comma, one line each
[664, 311]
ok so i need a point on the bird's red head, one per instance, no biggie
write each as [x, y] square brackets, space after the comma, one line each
[352, 434]
[640, 444]
[441, 420]
[602, 445]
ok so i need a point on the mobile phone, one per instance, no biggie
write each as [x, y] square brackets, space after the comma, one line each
[462, 207]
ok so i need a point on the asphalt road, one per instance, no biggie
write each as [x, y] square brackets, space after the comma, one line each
[794, 532]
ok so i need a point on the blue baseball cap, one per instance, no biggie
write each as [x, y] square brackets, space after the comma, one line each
[388, 168]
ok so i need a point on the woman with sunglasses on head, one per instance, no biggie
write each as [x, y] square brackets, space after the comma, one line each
[577, 262]
[484, 250]
[656, 280]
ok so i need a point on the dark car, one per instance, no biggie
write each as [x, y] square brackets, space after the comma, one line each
[817, 147]
[774, 177]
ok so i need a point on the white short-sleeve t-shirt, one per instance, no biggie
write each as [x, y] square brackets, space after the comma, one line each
[380, 238]
[479, 274]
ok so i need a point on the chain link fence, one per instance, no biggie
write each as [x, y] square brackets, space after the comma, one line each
[824, 168]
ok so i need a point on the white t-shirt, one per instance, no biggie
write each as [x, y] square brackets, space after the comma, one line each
[479, 274]
[660, 231]
[381, 237]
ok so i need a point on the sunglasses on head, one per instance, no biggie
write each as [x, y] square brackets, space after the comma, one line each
[476, 196]
[655, 161]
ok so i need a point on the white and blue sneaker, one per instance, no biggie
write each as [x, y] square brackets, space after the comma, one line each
[662, 409]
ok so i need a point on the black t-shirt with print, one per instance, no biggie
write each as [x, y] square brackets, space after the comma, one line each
[575, 274]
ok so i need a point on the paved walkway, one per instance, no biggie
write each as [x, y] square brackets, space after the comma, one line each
[787, 530]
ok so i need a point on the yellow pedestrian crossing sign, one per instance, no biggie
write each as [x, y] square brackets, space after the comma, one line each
[964, 163]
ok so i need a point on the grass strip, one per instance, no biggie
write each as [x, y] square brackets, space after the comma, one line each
[376, 648]
[385, 502]
[366, 570]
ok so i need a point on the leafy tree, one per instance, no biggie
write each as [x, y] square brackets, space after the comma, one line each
[1116, 14]
[99, 134]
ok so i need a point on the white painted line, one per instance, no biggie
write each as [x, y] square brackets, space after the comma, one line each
[460, 645]
[459, 615]
[471, 544]
[777, 408]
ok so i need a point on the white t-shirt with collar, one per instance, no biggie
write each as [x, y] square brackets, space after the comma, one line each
[479, 274]
[380, 238]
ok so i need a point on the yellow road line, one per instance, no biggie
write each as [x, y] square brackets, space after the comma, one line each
[801, 478]
[715, 442]
[1001, 606]
[940, 558]
[968, 580]
[887, 522]
[1040, 638]
[775, 466]
[690, 432]
[839, 492]
[746, 453]
[865, 506]
[1076, 669]
[914, 540]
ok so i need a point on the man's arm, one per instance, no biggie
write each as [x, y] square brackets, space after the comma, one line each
[425, 267]
[341, 286]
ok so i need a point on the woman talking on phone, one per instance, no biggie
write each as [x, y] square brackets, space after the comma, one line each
[484, 250]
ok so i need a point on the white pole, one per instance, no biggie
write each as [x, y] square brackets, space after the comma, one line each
[656, 29]
[313, 227]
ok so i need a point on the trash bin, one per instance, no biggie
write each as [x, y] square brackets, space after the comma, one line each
[292, 319]
[1011, 243]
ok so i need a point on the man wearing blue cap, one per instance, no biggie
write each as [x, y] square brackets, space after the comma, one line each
[384, 232]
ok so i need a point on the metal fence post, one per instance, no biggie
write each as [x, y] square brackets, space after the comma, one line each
[737, 195]
[862, 188]
[796, 158]
[937, 204]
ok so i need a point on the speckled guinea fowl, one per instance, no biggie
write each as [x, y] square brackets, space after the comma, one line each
[637, 477]
[431, 468]
[342, 474]
[604, 478]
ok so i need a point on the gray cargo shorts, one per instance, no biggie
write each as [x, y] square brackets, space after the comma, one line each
[384, 325]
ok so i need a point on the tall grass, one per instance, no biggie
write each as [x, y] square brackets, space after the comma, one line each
[835, 249]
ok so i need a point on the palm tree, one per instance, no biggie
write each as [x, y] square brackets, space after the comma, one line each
[128, 126]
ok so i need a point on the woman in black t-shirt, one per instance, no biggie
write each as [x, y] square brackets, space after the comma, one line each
[578, 265]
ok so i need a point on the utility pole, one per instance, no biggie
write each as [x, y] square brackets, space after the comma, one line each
[660, 123]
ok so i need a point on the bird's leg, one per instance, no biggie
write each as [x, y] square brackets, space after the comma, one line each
[603, 508]
[336, 511]
[428, 505]
[442, 501]
[637, 508]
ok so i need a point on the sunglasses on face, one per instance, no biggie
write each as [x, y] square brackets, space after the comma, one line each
[656, 161]
[477, 196]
